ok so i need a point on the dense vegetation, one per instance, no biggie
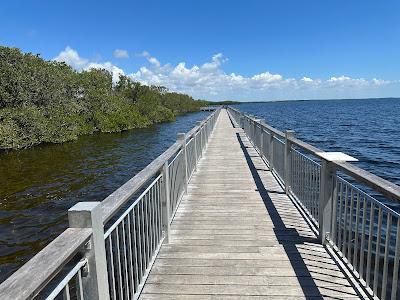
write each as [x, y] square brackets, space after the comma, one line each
[48, 101]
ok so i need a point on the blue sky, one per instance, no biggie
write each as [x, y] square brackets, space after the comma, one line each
[245, 50]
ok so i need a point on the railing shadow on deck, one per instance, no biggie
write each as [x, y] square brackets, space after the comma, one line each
[289, 238]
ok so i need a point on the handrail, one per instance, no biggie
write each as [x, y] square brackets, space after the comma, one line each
[30, 279]
[362, 230]
[145, 221]
[118, 198]
[386, 188]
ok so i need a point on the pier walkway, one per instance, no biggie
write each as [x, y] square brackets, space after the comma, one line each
[237, 235]
[234, 209]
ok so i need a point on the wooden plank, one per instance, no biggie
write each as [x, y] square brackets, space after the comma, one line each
[236, 235]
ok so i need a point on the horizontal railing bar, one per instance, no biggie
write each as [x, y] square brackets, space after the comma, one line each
[66, 279]
[118, 198]
[129, 209]
[369, 197]
[33, 276]
[29, 280]
[379, 184]
[386, 188]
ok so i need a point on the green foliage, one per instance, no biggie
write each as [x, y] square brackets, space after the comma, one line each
[47, 101]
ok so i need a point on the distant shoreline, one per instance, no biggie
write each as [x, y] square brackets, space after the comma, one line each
[302, 100]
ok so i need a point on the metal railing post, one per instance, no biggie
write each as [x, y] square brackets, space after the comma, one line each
[201, 138]
[166, 203]
[288, 160]
[89, 215]
[328, 173]
[255, 138]
[196, 158]
[262, 122]
[182, 139]
[271, 151]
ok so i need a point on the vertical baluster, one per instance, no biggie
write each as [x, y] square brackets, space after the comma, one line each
[146, 219]
[66, 295]
[340, 230]
[150, 209]
[143, 238]
[396, 262]
[377, 251]
[125, 259]
[121, 292]
[80, 286]
[334, 210]
[371, 234]
[362, 245]
[344, 246]
[355, 253]
[165, 208]
[131, 291]
[136, 257]
[113, 285]
[350, 231]
[386, 255]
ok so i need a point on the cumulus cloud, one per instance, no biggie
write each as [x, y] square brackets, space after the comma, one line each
[72, 58]
[121, 53]
[209, 80]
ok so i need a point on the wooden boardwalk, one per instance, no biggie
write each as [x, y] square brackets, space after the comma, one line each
[236, 235]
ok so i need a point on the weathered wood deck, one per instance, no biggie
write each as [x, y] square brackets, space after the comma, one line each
[237, 235]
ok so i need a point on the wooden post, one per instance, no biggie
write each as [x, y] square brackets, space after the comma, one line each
[326, 199]
[166, 203]
[89, 215]
[288, 160]
[182, 139]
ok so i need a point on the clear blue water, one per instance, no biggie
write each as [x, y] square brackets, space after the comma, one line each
[40, 184]
[368, 129]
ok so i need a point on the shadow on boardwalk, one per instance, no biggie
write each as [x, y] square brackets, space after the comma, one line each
[289, 237]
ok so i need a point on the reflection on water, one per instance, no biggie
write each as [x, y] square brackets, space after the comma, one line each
[40, 184]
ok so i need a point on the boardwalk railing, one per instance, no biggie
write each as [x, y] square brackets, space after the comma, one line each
[349, 206]
[110, 246]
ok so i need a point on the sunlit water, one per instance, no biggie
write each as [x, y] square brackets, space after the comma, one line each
[368, 129]
[40, 184]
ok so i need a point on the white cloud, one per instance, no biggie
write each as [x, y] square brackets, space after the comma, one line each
[72, 58]
[150, 58]
[210, 81]
[121, 53]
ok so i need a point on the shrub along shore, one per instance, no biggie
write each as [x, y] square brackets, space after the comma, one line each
[49, 102]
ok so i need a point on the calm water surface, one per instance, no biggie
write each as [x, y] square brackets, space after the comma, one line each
[40, 184]
[368, 129]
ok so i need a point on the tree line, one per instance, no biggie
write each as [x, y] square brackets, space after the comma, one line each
[49, 102]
